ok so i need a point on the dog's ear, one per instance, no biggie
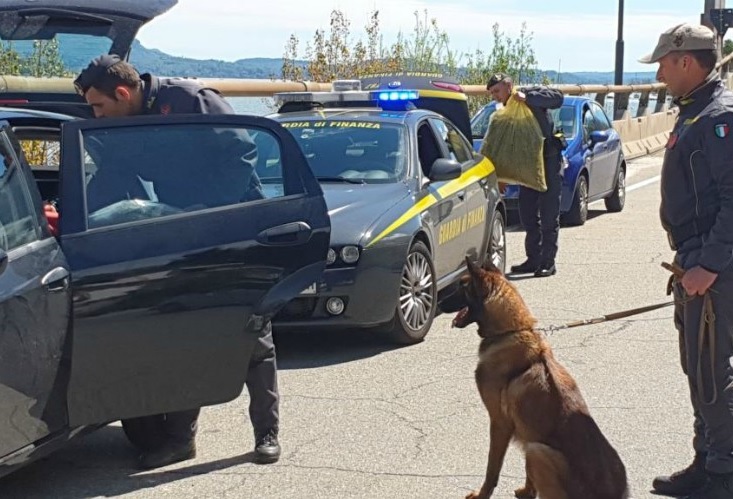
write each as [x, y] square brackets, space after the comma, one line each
[473, 269]
[477, 277]
[489, 266]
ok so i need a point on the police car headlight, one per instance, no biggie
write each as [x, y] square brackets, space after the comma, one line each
[331, 257]
[350, 254]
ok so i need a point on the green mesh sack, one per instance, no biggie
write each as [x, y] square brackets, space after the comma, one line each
[514, 145]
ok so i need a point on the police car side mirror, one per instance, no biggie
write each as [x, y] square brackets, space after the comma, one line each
[445, 169]
[598, 136]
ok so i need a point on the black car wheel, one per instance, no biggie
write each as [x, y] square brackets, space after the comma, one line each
[615, 202]
[145, 433]
[417, 297]
[578, 213]
[496, 253]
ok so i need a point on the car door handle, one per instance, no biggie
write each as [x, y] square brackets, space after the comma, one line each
[56, 280]
[461, 195]
[286, 234]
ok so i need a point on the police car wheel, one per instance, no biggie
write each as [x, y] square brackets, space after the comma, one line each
[615, 202]
[145, 433]
[578, 213]
[496, 252]
[417, 297]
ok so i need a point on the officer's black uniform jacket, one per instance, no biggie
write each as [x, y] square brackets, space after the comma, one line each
[540, 99]
[697, 178]
[177, 96]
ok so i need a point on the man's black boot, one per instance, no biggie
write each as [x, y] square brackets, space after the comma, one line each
[169, 453]
[526, 267]
[718, 486]
[546, 270]
[267, 448]
[685, 481]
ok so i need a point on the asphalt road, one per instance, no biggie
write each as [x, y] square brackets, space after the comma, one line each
[364, 419]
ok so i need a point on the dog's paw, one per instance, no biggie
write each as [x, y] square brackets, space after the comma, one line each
[525, 493]
[479, 494]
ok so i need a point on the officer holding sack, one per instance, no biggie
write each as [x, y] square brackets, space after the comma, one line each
[697, 214]
[539, 210]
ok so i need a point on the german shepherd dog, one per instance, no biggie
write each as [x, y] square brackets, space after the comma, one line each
[532, 398]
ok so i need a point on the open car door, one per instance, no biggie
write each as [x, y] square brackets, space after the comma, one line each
[180, 254]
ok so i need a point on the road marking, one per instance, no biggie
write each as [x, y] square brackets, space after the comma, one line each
[633, 187]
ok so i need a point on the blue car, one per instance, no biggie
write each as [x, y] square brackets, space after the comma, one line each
[594, 167]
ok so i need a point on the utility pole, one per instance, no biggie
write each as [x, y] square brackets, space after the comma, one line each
[619, 76]
[707, 20]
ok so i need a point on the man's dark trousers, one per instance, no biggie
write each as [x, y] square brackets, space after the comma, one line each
[263, 394]
[539, 213]
[713, 423]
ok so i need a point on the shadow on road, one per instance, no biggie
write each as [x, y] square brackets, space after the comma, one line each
[101, 464]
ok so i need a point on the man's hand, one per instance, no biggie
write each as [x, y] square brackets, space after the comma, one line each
[697, 280]
[520, 96]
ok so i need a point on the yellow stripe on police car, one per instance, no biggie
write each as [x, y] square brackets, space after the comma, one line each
[474, 174]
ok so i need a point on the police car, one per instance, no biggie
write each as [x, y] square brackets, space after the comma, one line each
[408, 198]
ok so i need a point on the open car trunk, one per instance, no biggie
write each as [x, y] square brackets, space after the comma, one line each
[83, 29]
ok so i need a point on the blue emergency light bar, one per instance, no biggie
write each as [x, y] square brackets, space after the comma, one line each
[398, 95]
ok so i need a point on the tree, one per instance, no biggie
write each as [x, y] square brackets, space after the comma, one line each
[515, 58]
[43, 61]
[10, 61]
[727, 47]
[427, 48]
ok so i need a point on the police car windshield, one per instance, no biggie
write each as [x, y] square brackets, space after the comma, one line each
[362, 151]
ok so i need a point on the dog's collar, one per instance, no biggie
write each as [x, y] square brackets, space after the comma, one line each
[496, 337]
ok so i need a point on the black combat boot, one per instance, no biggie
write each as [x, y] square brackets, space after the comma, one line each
[526, 267]
[718, 486]
[683, 482]
[267, 448]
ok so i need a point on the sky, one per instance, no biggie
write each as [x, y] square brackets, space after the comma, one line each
[569, 35]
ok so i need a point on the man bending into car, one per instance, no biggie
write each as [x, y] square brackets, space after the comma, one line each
[114, 88]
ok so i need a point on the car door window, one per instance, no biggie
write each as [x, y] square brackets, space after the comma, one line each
[428, 149]
[144, 172]
[588, 122]
[600, 118]
[458, 149]
[18, 222]
[480, 122]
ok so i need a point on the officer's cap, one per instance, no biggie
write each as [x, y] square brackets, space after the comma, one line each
[682, 38]
[497, 78]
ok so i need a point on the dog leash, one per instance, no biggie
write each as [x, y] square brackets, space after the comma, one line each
[608, 317]
[677, 272]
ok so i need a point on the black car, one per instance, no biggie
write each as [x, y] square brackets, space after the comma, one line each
[144, 306]
[408, 197]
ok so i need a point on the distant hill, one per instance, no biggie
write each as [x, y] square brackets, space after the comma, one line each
[157, 62]
[160, 63]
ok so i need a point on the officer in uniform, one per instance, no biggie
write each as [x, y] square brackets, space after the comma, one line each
[539, 212]
[697, 213]
[114, 88]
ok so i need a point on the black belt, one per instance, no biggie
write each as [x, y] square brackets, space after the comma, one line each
[697, 226]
